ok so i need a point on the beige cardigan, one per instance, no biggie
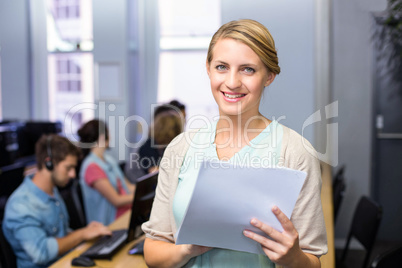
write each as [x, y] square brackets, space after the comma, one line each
[307, 216]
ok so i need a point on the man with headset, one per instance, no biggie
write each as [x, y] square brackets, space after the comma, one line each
[36, 220]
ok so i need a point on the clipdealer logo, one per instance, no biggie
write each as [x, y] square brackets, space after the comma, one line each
[330, 156]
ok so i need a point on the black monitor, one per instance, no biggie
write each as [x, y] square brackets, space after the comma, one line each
[142, 204]
[31, 133]
[8, 144]
[10, 178]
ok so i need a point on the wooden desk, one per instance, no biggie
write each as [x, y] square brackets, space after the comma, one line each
[328, 260]
[120, 259]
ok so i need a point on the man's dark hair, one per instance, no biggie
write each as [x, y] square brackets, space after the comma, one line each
[58, 146]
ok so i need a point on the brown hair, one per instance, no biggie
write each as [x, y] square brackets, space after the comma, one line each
[254, 35]
[166, 127]
[59, 148]
[89, 133]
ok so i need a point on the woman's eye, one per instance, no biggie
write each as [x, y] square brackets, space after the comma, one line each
[220, 67]
[249, 70]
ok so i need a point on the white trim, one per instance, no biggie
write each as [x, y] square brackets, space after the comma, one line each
[40, 94]
[322, 66]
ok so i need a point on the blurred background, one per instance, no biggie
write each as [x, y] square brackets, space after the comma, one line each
[64, 62]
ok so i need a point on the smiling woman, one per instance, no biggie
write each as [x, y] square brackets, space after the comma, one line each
[241, 62]
[237, 82]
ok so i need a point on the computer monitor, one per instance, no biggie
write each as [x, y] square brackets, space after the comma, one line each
[10, 178]
[142, 204]
[31, 133]
[8, 144]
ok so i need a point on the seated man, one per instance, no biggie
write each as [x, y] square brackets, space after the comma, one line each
[36, 220]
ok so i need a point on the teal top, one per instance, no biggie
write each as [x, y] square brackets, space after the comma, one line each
[97, 207]
[263, 151]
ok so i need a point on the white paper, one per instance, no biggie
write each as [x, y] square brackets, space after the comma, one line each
[227, 197]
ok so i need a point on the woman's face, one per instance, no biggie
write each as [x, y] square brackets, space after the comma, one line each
[237, 77]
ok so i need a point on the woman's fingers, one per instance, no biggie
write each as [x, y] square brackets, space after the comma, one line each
[284, 220]
[271, 248]
[270, 231]
[284, 246]
[264, 241]
[287, 237]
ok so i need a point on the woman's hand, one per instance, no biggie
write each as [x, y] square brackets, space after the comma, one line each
[284, 247]
[163, 254]
[194, 250]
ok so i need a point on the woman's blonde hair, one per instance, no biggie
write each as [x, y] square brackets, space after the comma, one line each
[166, 127]
[254, 35]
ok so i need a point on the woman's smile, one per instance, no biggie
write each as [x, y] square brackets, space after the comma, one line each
[232, 97]
[238, 77]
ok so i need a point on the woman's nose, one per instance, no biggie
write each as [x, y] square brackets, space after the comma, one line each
[233, 80]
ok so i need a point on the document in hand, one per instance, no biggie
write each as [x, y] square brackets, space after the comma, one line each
[226, 197]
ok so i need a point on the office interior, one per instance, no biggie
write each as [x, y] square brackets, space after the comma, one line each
[330, 88]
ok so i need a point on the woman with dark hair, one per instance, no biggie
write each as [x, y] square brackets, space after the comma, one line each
[107, 193]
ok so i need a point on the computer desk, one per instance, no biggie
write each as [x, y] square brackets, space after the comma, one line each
[122, 259]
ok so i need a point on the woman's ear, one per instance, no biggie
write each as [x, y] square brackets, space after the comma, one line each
[270, 79]
[207, 66]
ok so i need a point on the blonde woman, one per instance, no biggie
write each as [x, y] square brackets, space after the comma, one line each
[241, 62]
[166, 126]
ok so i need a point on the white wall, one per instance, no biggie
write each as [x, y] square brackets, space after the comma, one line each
[111, 51]
[144, 60]
[15, 58]
[291, 23]
[39, 82]
[352, 85]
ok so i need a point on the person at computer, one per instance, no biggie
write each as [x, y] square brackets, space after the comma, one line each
[145, 159]
[107, 193]
[173, 105]
[166, 126]
[241, 62]
[36, 220]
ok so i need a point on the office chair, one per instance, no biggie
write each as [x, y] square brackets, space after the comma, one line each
[122, 165]
[365, 224]
[72, 197]
[339, 175]
[389, 259]
[338, 193]
[7, 257]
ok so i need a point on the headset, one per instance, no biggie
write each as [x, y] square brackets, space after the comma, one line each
[48, 159]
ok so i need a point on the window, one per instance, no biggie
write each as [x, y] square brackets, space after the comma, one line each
[70, 61]
[65, 9]
[186, 27]
[68, 73]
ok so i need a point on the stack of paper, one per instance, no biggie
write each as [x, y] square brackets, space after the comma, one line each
[227, 197]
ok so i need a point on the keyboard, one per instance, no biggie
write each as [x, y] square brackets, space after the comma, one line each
[137, 248]
[106, 246]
